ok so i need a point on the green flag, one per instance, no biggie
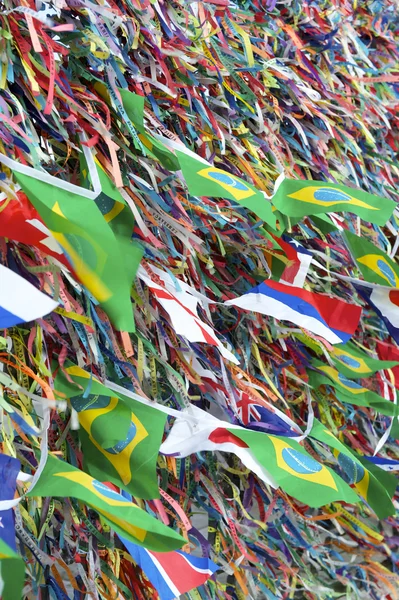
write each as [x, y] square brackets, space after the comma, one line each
[118, 215]
[375, 265]
[356, 473]
[134, 107]
[120, 437]
[299, 198]
[349, 391]
[12, 573]
[295, 471]
[60, 479]
[205, 180]
[89, 244]
[355, 363]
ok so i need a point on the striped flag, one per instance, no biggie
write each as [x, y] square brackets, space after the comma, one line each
[299, 261]
[182, 310]
[331, 318]
[20, 301]
[172, 573]
[385, 302]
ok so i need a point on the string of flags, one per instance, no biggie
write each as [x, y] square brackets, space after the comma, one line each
[199, 289]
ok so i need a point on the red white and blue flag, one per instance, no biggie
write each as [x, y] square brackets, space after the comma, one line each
[172, 573]
[256, 416]
[299, 261]
[334, 320]
[385, 302]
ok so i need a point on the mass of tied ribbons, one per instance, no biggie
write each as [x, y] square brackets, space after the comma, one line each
[199, 300]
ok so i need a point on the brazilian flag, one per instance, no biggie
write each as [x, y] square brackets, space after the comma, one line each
[349, 391]
[299, 198]
[357, 474]
[203, 179]
[376, 266]
[60, 479]
[120, 437]
[356, 364]
[89, 243]
[295, 471]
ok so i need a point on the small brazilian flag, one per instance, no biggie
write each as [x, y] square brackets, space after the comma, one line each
[295, 471]
[120, 437]
[356, 364]
[349, 391]
[89, 244]
[298, 198]
[60, 479]
[355, 473]
[12, 573]
[205, 180]
[375, 265]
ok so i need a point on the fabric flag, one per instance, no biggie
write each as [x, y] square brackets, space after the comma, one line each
[182, 310]
[355, 363]
[60, 479]
[355, 473]
[299, 258]
[386, 464]
[21, 222]
[20, 301]
[117, 214]
[385, 302]
[298, 198]
[205, 180]
[171, 573]
[9, 469]
[276, 460]
[257, 416]
[120, 437]
[134, 107]
[88, 242]
[374, 264]
[349, 391]
[12, 573]
[331, 318]
[389, 352]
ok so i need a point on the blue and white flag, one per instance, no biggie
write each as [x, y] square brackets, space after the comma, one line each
[20, 301]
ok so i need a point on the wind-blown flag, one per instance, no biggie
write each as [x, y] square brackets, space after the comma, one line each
[276, 460]
[349, 391]
[385, 302]
[9, 469]
[298, 198]
[172, 573]
[251, 413]
[205, 180]
[11, 565]
[375, 265]
[88, 242]
[182, 310]
[356, 474]
[331, 318]
[20, 301]
[60, 479]
[389, 352]
[299, 261]
[355, 363]
[12, 572]
[120, 437]
[21, 222]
